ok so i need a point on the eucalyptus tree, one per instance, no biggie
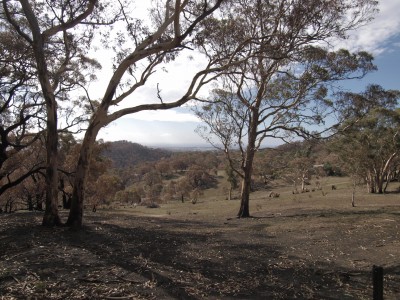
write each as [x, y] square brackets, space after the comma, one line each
[56, 40]
[282, 88]
[369, 149]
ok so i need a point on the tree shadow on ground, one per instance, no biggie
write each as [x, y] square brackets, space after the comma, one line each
[154, 258]
[309, 213]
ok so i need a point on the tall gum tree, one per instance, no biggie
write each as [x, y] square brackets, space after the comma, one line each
[60, 62]
[282, 87]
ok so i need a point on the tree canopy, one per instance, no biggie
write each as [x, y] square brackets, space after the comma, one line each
[369, 148]
[283, 87]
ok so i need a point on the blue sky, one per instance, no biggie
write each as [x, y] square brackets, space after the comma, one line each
[177, 127]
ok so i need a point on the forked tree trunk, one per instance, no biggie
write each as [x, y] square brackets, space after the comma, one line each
[385, 173]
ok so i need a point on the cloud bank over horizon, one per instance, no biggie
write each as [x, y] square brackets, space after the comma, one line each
[381, 37]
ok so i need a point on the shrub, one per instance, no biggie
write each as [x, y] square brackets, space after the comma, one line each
[152, 205]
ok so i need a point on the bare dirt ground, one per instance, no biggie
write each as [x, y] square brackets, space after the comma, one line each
[291, 248]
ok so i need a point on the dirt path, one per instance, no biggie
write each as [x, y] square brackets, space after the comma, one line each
[317, 254]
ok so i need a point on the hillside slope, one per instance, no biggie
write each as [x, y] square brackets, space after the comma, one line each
[126, 154]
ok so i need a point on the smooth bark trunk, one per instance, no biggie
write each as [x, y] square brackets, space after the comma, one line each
[244, 211]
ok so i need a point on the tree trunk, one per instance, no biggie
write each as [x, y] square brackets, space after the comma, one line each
[386, 173]
[39, 201]
[370, 184]
[51, 217]
[387, 181]
[10, 207]
[353, 195]
[303, 184]
[244, 211]
[247, 167]
[380, 188]
[379, 183]
[75, 216]
[30, 202]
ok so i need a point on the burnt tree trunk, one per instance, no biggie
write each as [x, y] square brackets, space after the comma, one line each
[30, 202]
[39, 201]
[75, 216]
[51, 217]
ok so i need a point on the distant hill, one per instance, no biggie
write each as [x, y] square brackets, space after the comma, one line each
[126, 154]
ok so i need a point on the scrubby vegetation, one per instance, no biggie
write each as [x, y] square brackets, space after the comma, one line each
[124, 173]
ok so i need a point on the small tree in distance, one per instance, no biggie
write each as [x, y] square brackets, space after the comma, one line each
[232, 179]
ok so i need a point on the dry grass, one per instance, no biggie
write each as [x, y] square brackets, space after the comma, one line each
[214, 204]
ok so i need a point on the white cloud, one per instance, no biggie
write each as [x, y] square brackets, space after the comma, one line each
[375, 36]
[152, 132]
[170, 115]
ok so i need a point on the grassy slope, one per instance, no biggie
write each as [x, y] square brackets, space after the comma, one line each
[213, 204]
